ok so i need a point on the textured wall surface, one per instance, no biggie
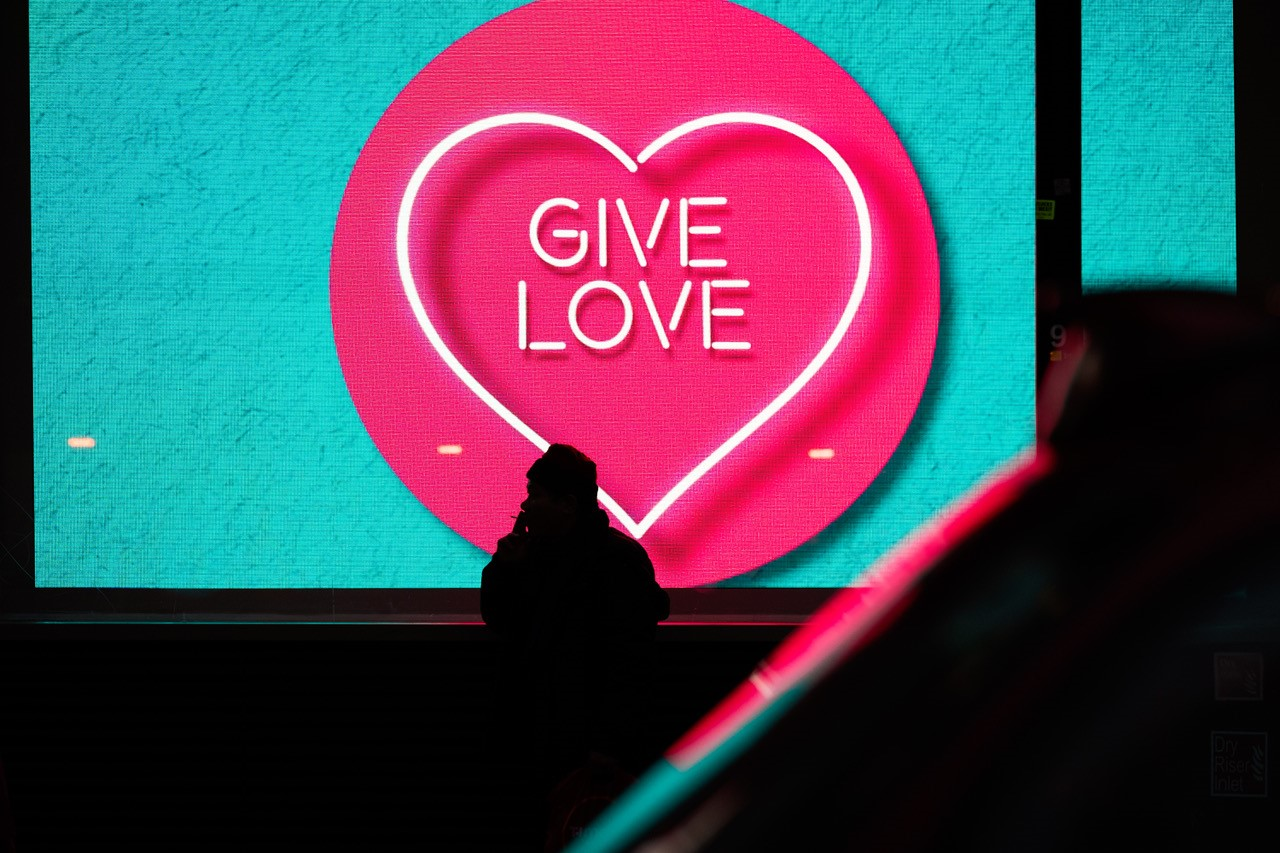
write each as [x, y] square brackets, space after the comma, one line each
[187, 165]
[1157, 144]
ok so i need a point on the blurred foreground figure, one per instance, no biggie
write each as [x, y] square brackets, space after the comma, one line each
[1071, 656]
[578, 604]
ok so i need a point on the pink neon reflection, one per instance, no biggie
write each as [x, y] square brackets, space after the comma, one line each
[855, 616]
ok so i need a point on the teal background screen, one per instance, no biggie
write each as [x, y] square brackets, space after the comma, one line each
[187, 164]
[1157, 145]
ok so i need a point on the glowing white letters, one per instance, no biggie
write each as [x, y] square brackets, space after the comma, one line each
[861, 277]
[561, 233]
[639, 249]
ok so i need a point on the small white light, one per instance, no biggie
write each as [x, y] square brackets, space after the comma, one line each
[449, 449]
[81, 442]
[822, 453]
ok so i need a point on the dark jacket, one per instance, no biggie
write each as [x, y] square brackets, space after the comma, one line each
[579, 617]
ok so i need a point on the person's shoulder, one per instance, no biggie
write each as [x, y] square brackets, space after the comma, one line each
[638, 574]
[622, 544]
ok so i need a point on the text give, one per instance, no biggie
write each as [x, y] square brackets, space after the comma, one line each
[580, 237]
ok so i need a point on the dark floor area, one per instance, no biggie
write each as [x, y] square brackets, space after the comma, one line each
[172, 737]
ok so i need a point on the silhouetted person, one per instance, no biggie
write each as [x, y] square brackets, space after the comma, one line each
[577, 602]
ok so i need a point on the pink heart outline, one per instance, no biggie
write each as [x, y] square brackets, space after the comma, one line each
[760, 119]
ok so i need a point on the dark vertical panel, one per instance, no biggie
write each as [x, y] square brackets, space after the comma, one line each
[1057, 171]
[1256, 185]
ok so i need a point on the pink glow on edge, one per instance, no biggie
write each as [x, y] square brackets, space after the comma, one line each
[856, 615]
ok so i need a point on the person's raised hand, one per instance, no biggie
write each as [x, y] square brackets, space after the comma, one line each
[512, 548]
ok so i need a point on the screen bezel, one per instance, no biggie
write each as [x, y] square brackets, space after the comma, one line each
[1058, 294]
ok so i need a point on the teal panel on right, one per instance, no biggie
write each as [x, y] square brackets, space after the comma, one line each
[1157, 144]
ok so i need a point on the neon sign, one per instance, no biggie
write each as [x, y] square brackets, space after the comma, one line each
[759, 280]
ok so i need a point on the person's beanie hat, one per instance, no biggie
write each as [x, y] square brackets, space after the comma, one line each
[565, 470]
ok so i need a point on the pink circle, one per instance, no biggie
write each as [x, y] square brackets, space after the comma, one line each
[786, 259]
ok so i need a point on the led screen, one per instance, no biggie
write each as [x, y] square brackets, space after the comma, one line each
[314, 283]
[1157, 144]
